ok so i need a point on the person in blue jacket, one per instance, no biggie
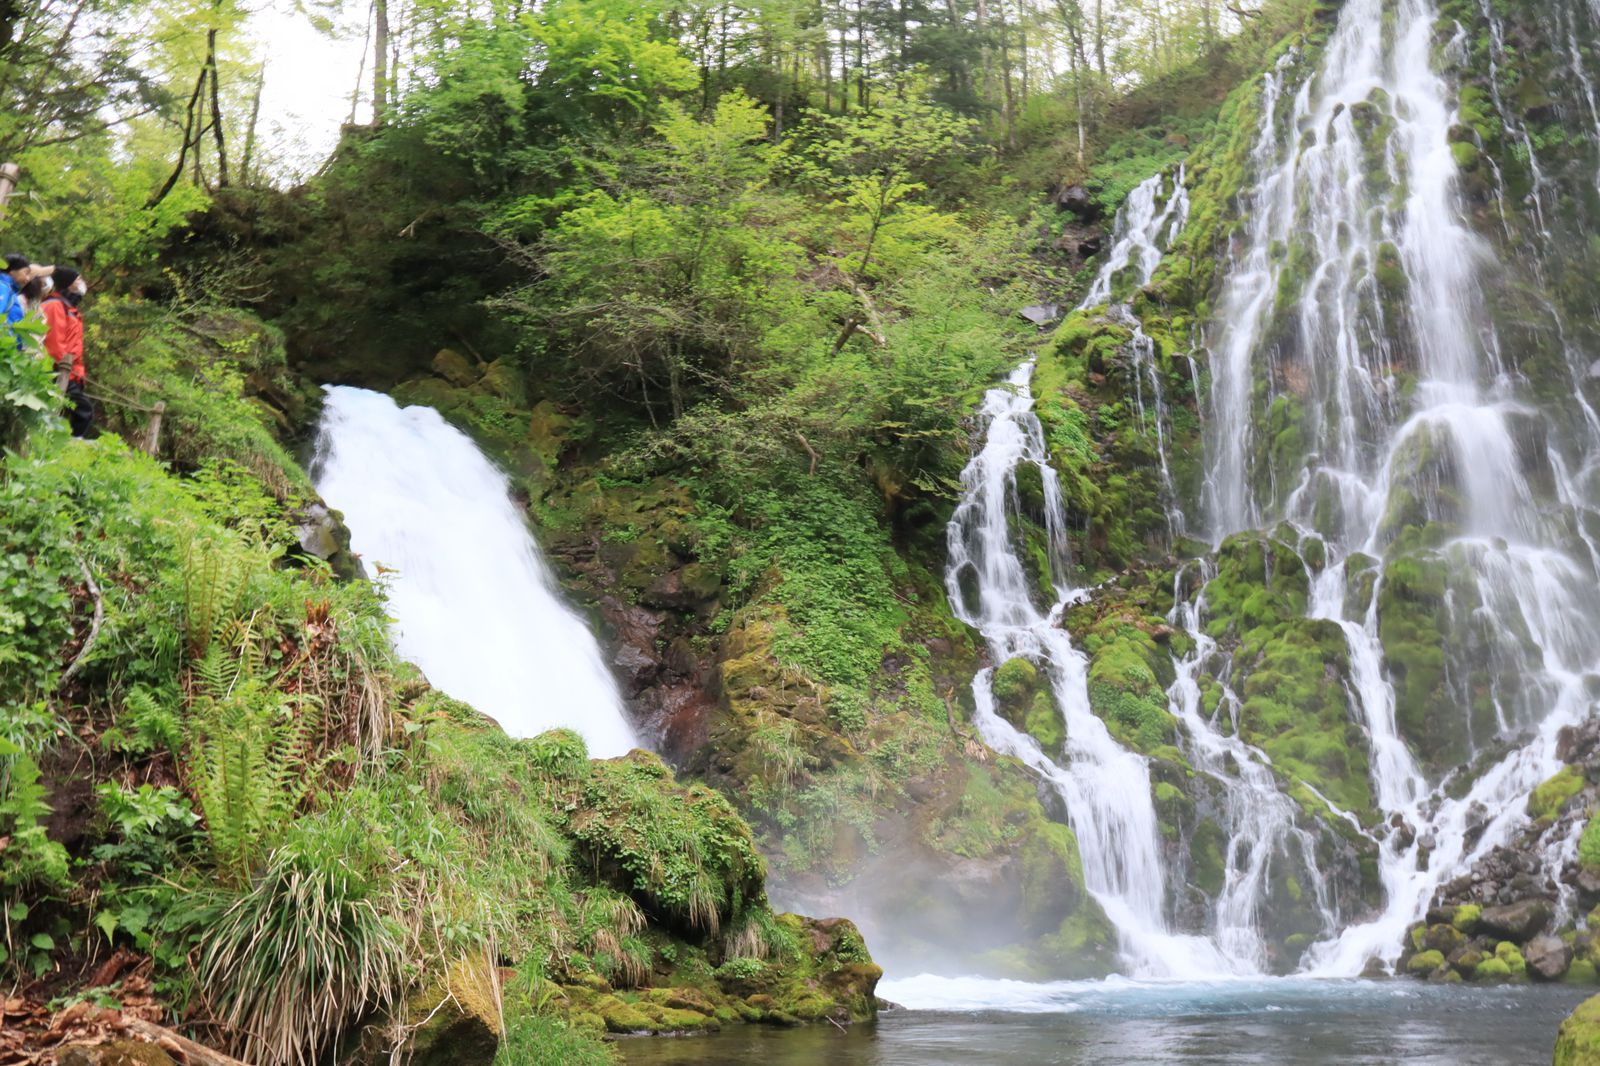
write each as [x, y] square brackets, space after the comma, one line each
[19, 271]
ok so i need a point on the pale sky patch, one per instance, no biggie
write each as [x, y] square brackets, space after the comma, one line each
[309, 79]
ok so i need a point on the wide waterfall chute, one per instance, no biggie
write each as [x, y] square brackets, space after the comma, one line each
[1356, 298]
[1424, 472]
[474, 604]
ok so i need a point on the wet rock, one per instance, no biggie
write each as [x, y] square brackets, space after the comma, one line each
[1090, 246]
[1041, 314]
[323, 535]
[1444, 938]
[1465, 960]
[1517, 921]
[1076, 198]
[455, 368]
[1578, 743]
[1587, 883]
[1547, 957]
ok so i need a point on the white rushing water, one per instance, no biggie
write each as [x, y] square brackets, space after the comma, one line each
[474, 604]
[1352, 294]
[1104, 786]
[1460, 450]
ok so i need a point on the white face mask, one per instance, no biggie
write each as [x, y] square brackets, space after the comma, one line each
[47, 285]
[79, 287]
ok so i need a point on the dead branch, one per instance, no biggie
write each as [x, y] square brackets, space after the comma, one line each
[94, 626]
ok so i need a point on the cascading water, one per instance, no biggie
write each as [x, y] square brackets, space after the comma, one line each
[1105, 788]
[1384, 270]
[1351, 306]
[474, 604]
[1146, 225]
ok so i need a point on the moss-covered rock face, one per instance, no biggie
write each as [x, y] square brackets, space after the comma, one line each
[1023, 697]
[1578, 1042]
[1086, 397]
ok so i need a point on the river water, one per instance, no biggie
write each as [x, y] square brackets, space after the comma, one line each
[1283, 1022]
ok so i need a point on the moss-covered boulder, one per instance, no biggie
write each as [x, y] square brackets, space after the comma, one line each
[1578, 1041]
[1023, 697]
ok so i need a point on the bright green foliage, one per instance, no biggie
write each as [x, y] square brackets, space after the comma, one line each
[28, 394]
[689, 857]
[311, 942]
[37, 561]
[1589, 844]
[543, 1040]
[248, 751]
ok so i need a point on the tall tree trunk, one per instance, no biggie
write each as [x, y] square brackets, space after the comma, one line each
[191, 138]
[1100, 40]
[1022, 48]
[250, 130]
[861, 55]
[380, 61]
[1009, 104]
[216, 110]
[361, 73]
[986, 80]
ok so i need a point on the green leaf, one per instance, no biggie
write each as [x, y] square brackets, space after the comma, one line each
[43, 941]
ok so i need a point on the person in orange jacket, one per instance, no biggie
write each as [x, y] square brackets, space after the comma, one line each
[64, 344]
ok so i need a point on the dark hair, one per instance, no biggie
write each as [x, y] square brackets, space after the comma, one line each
[34, 290]
[64, 278]
[16, 262]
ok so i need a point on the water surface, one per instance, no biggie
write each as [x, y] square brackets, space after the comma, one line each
[1120, 1023]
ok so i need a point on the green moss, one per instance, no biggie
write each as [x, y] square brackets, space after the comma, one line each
[1466, 917]
[1578, 1041]
[1589, 843]
[1508, 953]
[1424, 962]
[1491, 969]
[1581, 972]
[1547, 800]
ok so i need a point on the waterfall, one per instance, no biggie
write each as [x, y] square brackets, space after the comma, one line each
[1357, 182]
[474, 604]
[1105, 788]
[1351, 299]
[1145, 225]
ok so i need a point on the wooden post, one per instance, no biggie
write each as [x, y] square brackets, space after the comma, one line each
[9, 173]
[152, 433]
